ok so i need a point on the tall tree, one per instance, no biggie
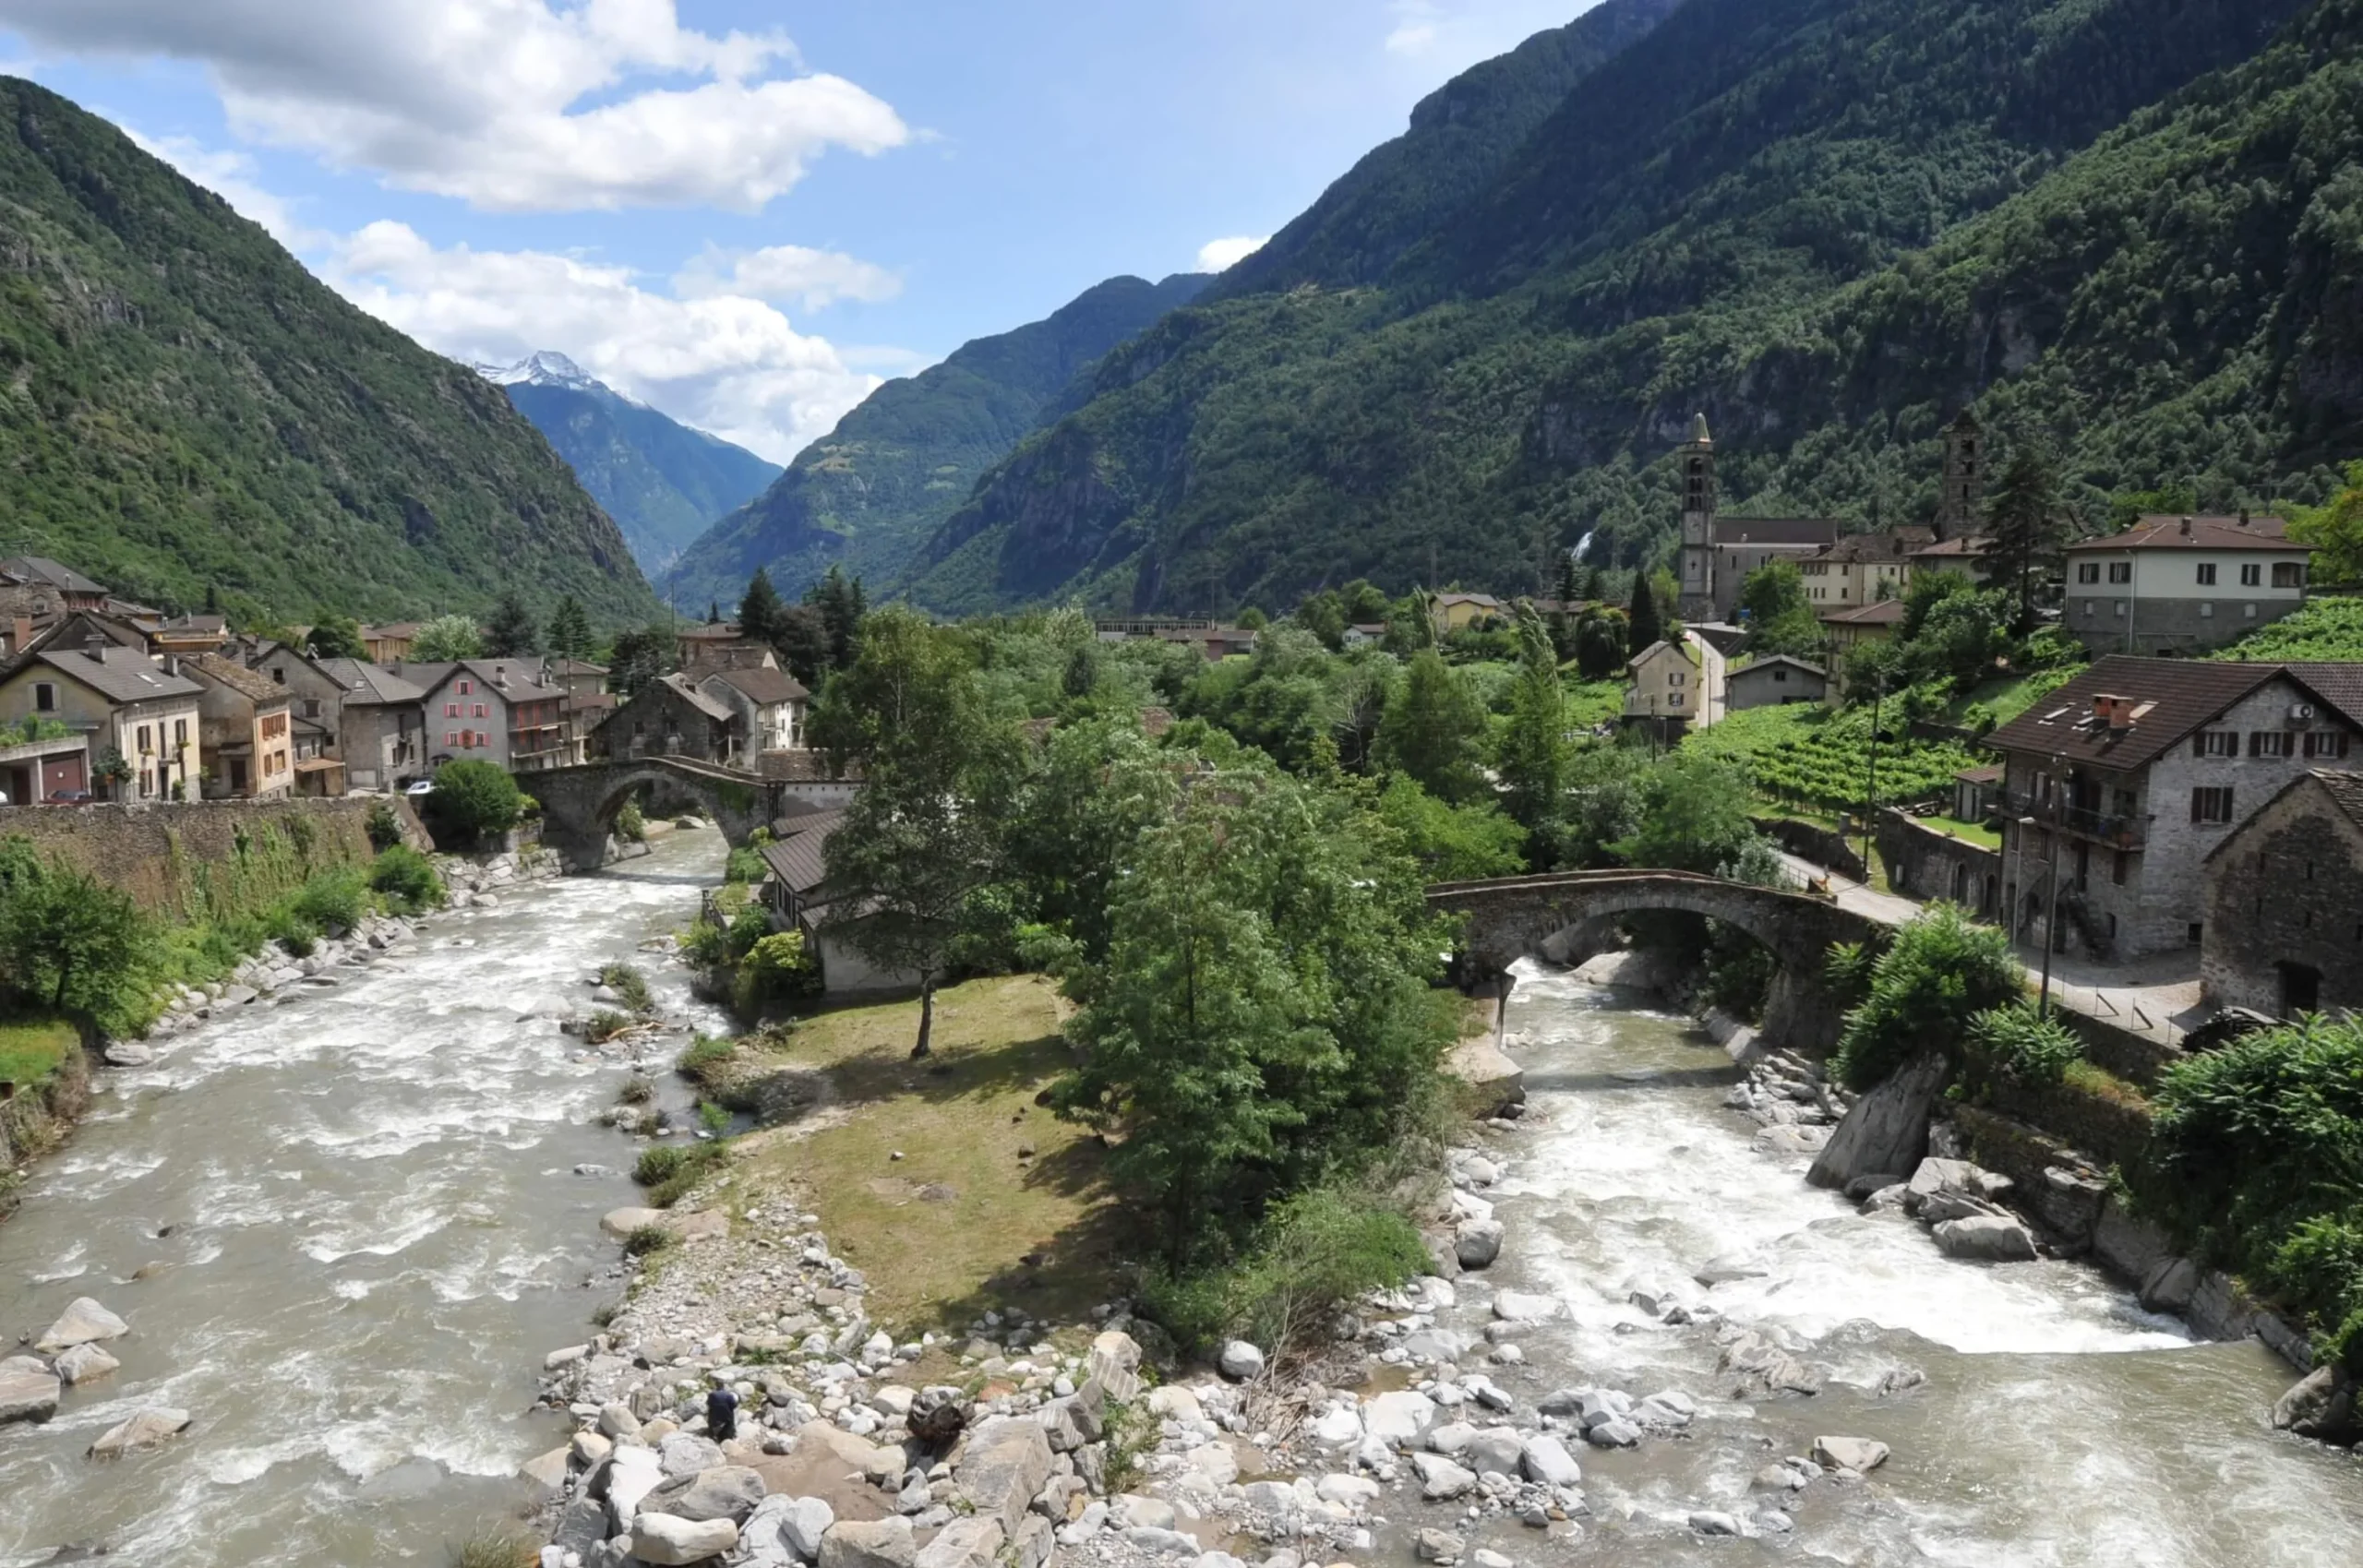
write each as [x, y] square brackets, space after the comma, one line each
[337, 637]
[447, 638]
[1432, 722]
[1533, 762]
[73, 942]
[570, 629]
[839, 601]
[760, 611]
[2025, 520]
[1645, 625]
[512, 634]
[802, 642]
[640, 657]
[925, 835]
[2336, 531]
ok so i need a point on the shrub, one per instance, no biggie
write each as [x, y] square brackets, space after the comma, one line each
[495, 1549]
[637, 1090]
[704, 944]
[1315, 1254]
[705, 1054]
[1939, 973]
[776, 969]
[630, 826]
[750, 926]
[2013, 1045]
[646, 1241]
[744, 865]
[669, 1170]
[606, 1024]
[407, 879]
[331, 902]
[711, 1117]
[630, 986]
[384, 827]
[473, 802]
[74, 942]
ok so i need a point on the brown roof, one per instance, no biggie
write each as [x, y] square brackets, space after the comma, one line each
[1778, 529]
[798, 856]
[2200, 534]
[214, 667]
[1990, 773]
[764, 687]
[1895, 544]
[802, 767]
[400, 630]
[1878, 612]
[1770, 660]
[2171, 697]
[1964, 548]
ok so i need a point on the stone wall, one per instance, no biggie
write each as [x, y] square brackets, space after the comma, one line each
[2287, 891]
[195, 859]
[1816, 843]
[1924, 863]
[2137, 1059]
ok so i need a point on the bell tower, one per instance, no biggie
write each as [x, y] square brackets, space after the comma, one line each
[1960, 508]
[1697, 601]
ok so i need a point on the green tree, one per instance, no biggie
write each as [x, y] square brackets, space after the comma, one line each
[1432, 724]
[1364, 603]
[1252, 619]
[760, 611]
[1772, 591]
[472, 803]
[640, 657]
[801, 638]
[2025, 520]
[1695, 812]
[445, 639]
[337, 637]
[1927, 989]
[1644, 624]
[512, 634]
[1533, 759]
[570, 630]
[1323, 614]
[1601, 648]
[925, 835]
[2336, 531]
[1452, 843]
[72, 941]
[839, 599]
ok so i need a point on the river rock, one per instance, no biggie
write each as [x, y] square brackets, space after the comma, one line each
[1477, 1243]
[1792, 1139]
[1708, 1521]
[1352, 1492]
[1492, 1080]
[2170, 1286]
[1860, 1454]
[1496, 1450]
[965, 1543]
[632, 1474]
[620, 1223]
[1151, 1541]
[939, 1414]
[29, 1390]
[1239, 1360]
[665, 1540]
[616, 1422]
[2322, 1407]
[1545, 1459]
[145, 1430]
[1007, 1462]
[684, 1455]
[84, 1362]
[1615, 1432]
[84, 1321]
[1985, 1238]
[885, 1543]
[1525, 1307]
[546, 1473]
[1441, 1547]
[1888, 1128]
[1400, 1418]
[1115, 1362]
[803, 1522]
[725, 1491]
[1440, 1478]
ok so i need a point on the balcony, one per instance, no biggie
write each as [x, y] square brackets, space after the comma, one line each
[2083, 821]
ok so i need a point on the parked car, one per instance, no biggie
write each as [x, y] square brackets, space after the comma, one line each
[70, 797]
[418, 787]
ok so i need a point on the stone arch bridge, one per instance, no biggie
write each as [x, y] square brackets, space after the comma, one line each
[579, 805]
[1512, 917]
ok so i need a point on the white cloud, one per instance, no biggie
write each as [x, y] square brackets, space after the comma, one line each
[783, 272]
[234, 178]
[1416, 26]
[507, 104]
[726, 363]
[1220, 256]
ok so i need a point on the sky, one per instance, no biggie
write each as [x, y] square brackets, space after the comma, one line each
[747, 213]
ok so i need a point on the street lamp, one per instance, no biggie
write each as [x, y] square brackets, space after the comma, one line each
[2051, 912]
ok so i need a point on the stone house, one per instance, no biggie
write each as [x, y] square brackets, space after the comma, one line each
[315, 695]
[1677, 686]
[668, 717]
[2174, 583]
[2284, 929]
[381, 724]
[2130, 776]
[796, 866]
[493, 710]
[1848, 630]
[74, 591]
[1743, 545]
[1774, 682]
[767, 706]
[119, 700]
[1863, 568]
[248, 738]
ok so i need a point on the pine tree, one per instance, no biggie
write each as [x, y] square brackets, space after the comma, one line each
[511, 633]
[1645, 625]
[839, 601]
[760, 611]
[1429, 732]
[2025, 520]
[570, 629]
[1570, 579]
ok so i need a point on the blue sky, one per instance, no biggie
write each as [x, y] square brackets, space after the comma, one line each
[746, 212]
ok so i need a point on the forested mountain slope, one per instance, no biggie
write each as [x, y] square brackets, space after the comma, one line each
[182, 406]
[663, 482]
[1828, 223]
[870, 493]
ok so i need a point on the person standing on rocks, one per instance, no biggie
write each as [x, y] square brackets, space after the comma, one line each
[721, 1415]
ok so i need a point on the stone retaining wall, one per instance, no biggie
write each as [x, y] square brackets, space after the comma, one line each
[177, 859]
[1816, 843]
[2137, 1059]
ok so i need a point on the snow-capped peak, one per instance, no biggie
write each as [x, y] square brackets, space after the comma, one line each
[543, 367]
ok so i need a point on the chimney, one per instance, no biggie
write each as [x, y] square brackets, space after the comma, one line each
[20, 632]
[94, 648]
[2244, 516]
[2186, 528]
[172, 663]
[2116, 713]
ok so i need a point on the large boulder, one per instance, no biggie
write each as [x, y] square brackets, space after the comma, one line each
[1492, 1080]
[1861, 1454]
[667, 1540]
[82, 1322]
[1239, 1360]
[882, 1543]
[84, 1362]
[29, 1390]
[2322, 1407]
[1477, 1243]
[1440, 1478]
[632, 1474]
[1399, 1419]
[1985, 1238]
[964, 1543]
[1007, 1463]
[725, 1491]
[1888, 1129]
[1115, 1364]
[1545, 1459]
[145, 1430]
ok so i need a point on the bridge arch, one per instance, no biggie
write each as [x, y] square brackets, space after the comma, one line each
[580, 805]
[1512, 917]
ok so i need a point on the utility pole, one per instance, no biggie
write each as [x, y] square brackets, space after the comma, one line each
[2051, 914]
[1871, 778]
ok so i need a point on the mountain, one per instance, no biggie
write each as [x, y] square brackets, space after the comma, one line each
[184, 407]
[663, 483]
[2117, 225]
[867, 495]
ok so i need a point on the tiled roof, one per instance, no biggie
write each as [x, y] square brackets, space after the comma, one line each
[511, 679]
[41, 568]
[1778, 529]
[2200, 534]
[236, 676]
[798, 856]
[121, 674]
[370, 683]
[400, 631]
[765, 687]
[2345, 792]
[1879, 612]
[1895, 544]
[2171, 697]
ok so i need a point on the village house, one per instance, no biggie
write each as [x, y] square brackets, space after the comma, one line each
[124, 705]
[1458, 612]
[586, 705]
[805, 777]
[492, 711]
[390, 644]
[1963, 557]
[791, 891]
[668, 717]
[766, 703]
[2284, 931]
[1846, 630]
[246, 741]
[1743, 545]
[1863, 568]
[2178, 583]
[1774, 681]
[381, 724]
[54, 768]
[74, 591]
[1675, 686]
[2129, 777]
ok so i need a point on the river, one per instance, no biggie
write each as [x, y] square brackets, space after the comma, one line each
[375, 1233]
[2059, 1425]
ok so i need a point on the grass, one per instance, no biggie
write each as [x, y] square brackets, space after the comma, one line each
[33, 1049]
[2101, 1083]
[495, 1549]
[1038, 1232]
[1977, 833]
[630, 986]
[2006, 699]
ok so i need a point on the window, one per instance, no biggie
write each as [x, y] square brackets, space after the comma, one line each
[2088, 572]
[2206, 609]
[280, 676]
[2288, 574]
[145, 750]
[1780, 675]
[450, 738]
[1673, 700]
[480, 711]
[466, 688]
[2207, 574]
[2211, 804]
[44, 697]
[180, 735]
[2120, 571]
[2270, 743]
[450, 710]
[1674, 679]
[2251, 575]
[2092, 606]
[2326, 743]
[2216, 743]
